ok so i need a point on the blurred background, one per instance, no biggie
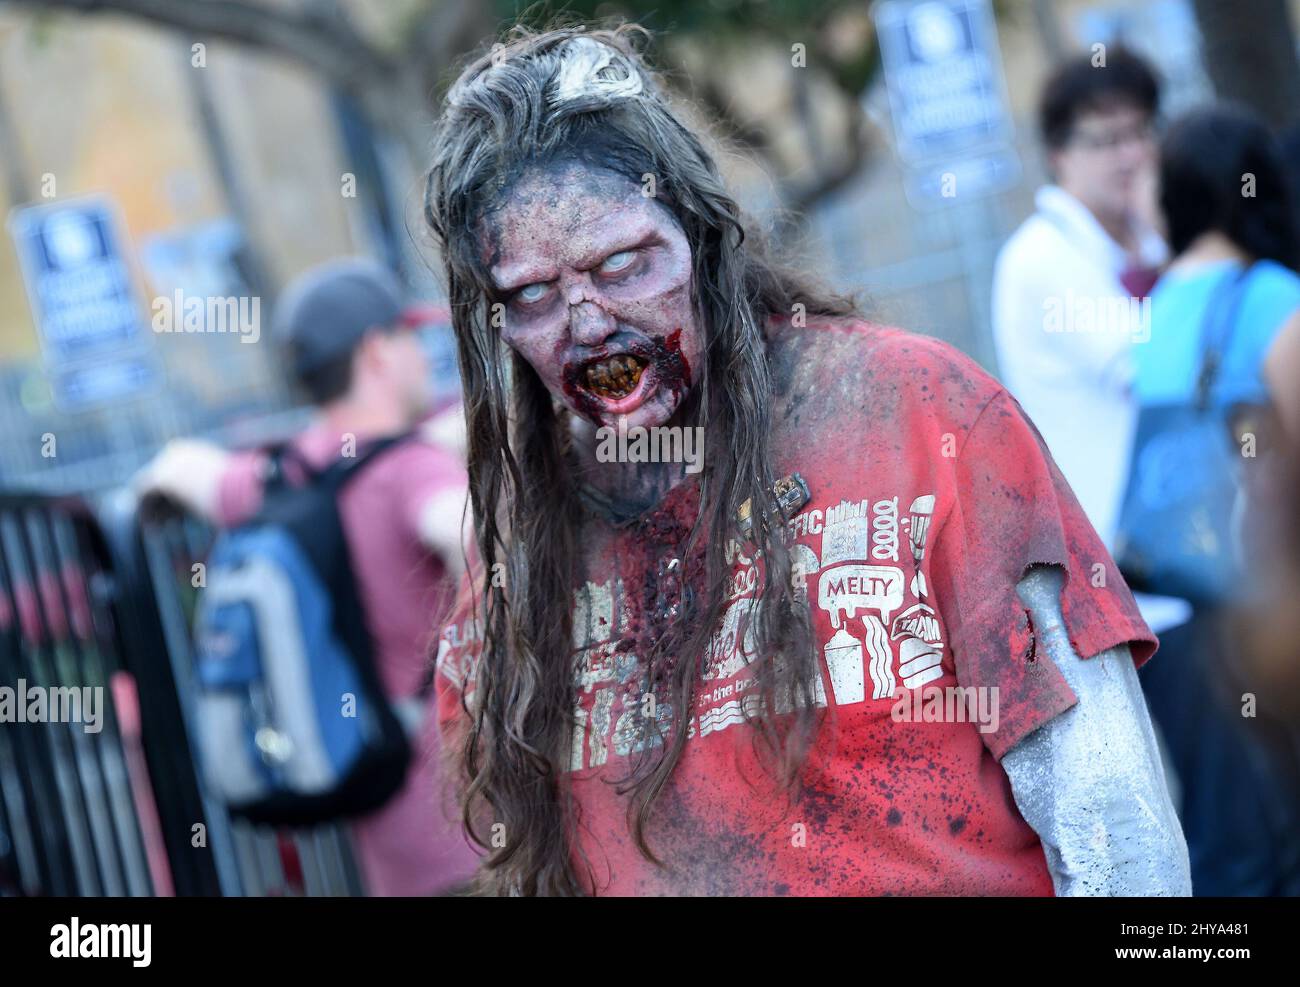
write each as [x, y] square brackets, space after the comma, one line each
[153, 151]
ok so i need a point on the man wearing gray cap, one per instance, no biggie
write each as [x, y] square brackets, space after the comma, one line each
[342, 332]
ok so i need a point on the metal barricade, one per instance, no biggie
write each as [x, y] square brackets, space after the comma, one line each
[100, 793]
[79, 810]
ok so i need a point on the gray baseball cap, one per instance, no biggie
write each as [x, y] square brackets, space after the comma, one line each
[324, 312]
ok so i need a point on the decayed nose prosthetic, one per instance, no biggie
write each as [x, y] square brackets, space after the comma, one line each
[595, 280]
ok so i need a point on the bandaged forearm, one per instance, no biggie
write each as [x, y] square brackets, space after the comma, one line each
[1090, 782]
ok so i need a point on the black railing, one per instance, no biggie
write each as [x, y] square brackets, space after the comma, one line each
[96, 606]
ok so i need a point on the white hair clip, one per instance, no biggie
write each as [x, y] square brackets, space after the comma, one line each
[589, 68]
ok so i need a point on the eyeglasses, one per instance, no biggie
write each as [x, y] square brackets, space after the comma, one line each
[1111, 138]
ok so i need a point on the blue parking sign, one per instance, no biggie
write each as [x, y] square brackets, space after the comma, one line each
[87, 313]
[943, 72]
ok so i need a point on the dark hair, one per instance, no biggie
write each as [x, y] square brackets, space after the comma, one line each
[576, 93]
[1206, 158]
[1078, 87]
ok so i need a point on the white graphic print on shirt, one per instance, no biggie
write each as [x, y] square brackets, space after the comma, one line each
[868, 550]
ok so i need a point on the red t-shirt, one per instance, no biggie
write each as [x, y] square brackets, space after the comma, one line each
[931, 495]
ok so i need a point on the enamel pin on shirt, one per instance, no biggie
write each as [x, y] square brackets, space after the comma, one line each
[791, 493]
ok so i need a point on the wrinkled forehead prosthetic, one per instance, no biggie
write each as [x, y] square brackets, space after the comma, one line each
[564, 97]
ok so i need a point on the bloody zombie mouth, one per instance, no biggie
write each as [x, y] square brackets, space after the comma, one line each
[618, 383]
[614, 377]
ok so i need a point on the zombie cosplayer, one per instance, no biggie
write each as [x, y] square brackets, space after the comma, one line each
[866, 643]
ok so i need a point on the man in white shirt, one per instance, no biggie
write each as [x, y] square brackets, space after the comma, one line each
[1069, 286]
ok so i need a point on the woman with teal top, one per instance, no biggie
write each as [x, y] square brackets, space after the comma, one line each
[1270, 303]
[1225, 340]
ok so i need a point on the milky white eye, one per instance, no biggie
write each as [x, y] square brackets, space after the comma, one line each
[618, 262]
[531, 293]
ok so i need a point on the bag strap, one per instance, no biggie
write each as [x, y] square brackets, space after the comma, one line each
[333, 476]
[1228, 298]
[277, 456]
[344, 468]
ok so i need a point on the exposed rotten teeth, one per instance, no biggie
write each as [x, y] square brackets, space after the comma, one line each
[616, 376]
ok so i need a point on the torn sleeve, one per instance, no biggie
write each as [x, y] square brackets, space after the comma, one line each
[1012, 510]
[1090, 783]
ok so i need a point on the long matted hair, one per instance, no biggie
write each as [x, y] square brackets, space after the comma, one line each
[575, 94]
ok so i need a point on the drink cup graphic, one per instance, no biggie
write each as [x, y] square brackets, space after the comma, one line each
[844, 663]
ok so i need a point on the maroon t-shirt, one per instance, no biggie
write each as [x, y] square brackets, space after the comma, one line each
[931, 493]
[412, 845]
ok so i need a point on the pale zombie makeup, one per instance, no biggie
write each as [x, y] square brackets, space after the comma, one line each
[595, 279]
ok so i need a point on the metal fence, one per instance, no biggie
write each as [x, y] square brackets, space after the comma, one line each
[99, 790]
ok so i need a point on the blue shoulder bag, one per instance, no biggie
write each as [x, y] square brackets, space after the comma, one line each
[1175, 533]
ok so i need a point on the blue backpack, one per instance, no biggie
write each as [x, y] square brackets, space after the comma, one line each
[294, 727]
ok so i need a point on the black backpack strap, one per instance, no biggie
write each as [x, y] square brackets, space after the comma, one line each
[344, 468]
[277, 457]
